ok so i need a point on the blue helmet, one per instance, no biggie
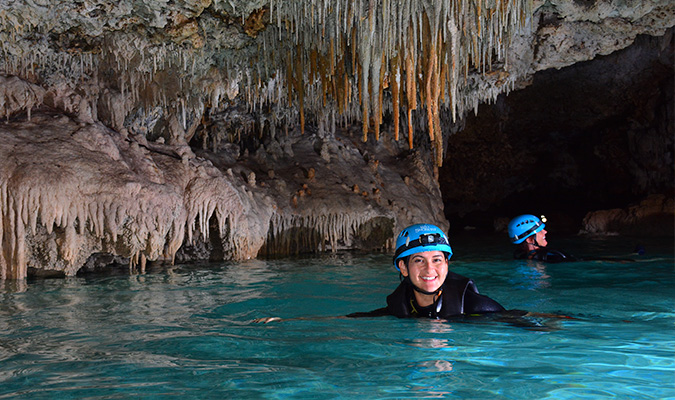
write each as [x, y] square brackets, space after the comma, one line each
[419, 238]
[524, 226]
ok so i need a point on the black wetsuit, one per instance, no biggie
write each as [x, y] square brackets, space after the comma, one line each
[459, 296]
[555, 256]
[543, 254]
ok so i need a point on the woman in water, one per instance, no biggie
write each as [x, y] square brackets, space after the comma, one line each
[428, 289]
[527, 231]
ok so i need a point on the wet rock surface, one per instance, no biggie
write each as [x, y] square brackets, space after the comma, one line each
[73, 202]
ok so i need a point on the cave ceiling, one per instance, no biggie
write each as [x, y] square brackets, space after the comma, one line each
[163, 68]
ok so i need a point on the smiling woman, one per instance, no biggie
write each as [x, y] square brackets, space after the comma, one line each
[428, 289]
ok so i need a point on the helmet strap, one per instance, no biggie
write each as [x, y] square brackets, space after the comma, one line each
[418, 290]
[534, 241]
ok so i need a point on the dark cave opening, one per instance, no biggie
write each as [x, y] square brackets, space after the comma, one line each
[591, 136]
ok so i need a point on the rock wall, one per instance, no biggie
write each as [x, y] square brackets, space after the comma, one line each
[654, 216]
[78, 194]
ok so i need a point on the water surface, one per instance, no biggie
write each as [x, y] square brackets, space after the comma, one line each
[187, 331]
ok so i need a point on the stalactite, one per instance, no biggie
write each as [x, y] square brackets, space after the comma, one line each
[429, 54]
[394, 82]
[380, 95]
[332, 230]
[365, 53]
[411, 89]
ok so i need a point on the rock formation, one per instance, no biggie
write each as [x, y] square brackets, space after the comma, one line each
[203, 129]
[651, 217]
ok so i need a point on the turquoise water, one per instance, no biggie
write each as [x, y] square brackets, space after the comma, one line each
[187, 331]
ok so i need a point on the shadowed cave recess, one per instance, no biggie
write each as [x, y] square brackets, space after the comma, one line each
[592, 136]
[142, 132]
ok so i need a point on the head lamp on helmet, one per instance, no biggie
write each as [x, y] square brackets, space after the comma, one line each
[419, 238]
[524, 226]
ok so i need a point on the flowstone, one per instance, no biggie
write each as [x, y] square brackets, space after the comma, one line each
[77, 193]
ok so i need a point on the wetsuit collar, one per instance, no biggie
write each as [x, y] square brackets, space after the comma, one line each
[438, 301]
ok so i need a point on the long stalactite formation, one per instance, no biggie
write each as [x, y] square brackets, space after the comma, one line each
[432, 43]
[361, 58]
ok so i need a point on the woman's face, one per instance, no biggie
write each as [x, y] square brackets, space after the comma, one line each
[541, 238]
[427, 270]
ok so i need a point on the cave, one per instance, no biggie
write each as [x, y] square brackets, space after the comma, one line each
[162, 132]
[594, 135]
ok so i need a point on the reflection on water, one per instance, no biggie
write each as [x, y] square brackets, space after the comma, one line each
[436, 366]
[531, 274]
[249, 273]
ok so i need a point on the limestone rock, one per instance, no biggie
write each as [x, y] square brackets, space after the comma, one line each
[654, 216]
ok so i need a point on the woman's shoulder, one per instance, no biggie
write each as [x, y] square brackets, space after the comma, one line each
[551, 255]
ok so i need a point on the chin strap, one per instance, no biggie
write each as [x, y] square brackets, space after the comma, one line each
[435, 292]
[534, 242]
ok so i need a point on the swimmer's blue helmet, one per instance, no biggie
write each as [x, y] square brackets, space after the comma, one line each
[419, 238]
[524, 226]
